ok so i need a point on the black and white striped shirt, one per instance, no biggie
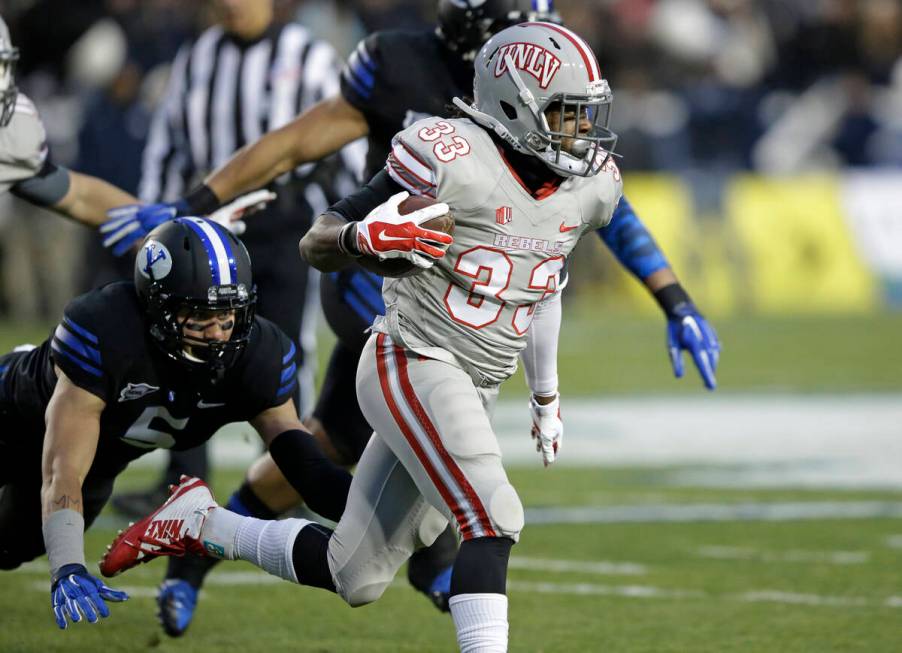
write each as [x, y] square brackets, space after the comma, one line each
[223, 93]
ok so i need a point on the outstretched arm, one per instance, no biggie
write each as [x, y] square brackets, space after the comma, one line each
[73, 428]
[319, 131]
[687, 329]
[81, 197]
[89, 198]
[320, 482]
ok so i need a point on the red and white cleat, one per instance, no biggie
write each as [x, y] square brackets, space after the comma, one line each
[172, 529]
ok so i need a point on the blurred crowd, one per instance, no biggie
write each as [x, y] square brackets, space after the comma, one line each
[702, 88]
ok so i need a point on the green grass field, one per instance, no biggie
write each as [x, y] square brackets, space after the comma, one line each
[796, 586]
[741, 584]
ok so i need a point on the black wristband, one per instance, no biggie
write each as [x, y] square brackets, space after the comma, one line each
[66, 570]
[674, 300]
[323, 484]
[202, 201]
[347, 241]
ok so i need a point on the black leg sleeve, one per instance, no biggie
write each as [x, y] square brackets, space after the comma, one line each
[481, 566]
[310, 557]
[323, 484]
[191, 462]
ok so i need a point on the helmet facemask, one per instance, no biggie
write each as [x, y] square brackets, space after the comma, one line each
[169, 316]
[8, 91]
[580, 148]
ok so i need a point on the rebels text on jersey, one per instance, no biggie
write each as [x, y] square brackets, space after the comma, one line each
[151, 400]
[477, 302]
[395, 78]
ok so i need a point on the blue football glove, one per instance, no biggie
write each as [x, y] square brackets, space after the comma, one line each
[75, 594]
[129, 224]
[690, 331]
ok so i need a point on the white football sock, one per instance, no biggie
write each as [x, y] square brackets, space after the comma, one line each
[480, 621]
[269, 544]
[218, 533]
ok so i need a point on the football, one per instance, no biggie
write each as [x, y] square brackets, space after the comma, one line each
[402, 267]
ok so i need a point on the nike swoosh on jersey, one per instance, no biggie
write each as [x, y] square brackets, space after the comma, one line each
[204, 404]
[564, 228]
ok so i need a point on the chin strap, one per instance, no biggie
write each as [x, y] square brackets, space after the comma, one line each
[491, 123]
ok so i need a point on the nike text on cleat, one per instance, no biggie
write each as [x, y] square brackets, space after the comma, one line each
[171, 530]
[564, 228]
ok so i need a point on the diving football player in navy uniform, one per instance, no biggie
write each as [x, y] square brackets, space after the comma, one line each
[393, 79]
[163, 361]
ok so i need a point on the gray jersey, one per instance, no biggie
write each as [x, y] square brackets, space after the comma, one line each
[23, 145]
[473, 308]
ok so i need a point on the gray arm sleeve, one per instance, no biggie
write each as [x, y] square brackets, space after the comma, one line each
[46, 188]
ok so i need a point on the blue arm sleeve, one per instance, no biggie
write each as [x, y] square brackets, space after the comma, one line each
[630, 242]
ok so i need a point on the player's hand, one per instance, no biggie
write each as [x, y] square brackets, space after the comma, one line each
[75, 595]
[230, 216]
[547, 427]
[129, 224]
[691, 332]
[386, 234]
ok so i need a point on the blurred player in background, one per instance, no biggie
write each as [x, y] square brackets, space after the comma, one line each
[241, 78]
[393, 79]
[527, 173]
[163, 361]
[26, 168]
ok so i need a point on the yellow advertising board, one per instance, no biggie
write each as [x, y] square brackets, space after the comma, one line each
[798, 253]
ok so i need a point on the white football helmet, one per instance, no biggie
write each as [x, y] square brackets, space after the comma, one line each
[526, 69]
[8, 91]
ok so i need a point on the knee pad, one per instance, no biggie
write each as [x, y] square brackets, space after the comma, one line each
[364, 594]
[506, 511]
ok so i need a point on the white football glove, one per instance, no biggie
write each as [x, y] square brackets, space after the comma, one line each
[230, 216]
[385, 233]
[547, 427]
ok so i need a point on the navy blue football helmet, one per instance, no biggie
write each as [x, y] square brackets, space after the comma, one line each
[191, 266]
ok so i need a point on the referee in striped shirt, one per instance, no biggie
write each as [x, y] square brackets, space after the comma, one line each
[244, 76]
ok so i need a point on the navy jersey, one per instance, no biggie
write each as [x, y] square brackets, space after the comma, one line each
[396, 78]
[152, 401]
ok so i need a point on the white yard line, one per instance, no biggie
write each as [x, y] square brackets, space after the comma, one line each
[894, 541]
[233, 579]
[715, 512]
[776, 596]
[766, 440]
[791, 556]
[603, 567]
[630, 591]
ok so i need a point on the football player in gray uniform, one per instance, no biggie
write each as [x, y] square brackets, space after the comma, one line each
[526, 172]
[26, 169]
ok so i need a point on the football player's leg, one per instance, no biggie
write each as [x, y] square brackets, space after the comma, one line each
[264, 494]
[385, 521]
[436, 422]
